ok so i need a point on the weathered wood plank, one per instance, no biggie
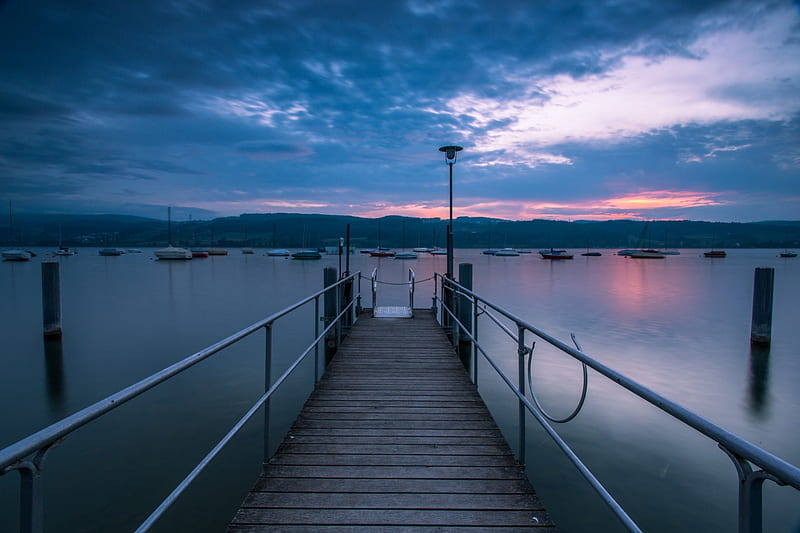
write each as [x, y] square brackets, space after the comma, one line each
[426, 486]
[392, 517]
[322, 528]
[392, 460]
[305, 500]
[394, 438]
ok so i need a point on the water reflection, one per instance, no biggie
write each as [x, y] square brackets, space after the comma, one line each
[54, 367]
[759, 380]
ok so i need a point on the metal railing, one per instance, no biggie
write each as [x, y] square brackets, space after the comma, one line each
[753, 464]
[18, 455]
[374, 285]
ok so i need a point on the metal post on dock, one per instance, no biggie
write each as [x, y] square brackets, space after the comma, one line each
[51, 299]
[267, 385]
[465, 316]
[329, 311]
[761, 326]
[347, 289]
[522, 351]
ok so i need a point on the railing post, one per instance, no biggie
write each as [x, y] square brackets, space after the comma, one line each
[359, 309]
[750, 500]
[31, 509]
[465, 316]
[447, 305]
[330, 313]
[433, 298]
[521, 351]
[316, 343]
[475, 344]
[374, 282]
[267, 385]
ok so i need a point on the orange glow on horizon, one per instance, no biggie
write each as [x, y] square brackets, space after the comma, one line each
[633, 206]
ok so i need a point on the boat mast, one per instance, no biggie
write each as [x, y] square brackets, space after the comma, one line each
[169, 225]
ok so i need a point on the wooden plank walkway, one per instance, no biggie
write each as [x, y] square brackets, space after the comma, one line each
[394, 438]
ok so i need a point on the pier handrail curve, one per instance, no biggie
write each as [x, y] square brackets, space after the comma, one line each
[12, 457]
[740, 449]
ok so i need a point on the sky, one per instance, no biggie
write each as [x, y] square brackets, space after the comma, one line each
[567, 110]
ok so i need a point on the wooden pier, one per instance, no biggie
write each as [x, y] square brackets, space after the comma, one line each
[394, 438]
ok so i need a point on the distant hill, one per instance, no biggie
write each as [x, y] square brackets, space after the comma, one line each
[299, 230]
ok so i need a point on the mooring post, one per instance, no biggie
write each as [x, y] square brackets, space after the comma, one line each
[761, 328]
[51, 299]
[465, 316]
[329, 312]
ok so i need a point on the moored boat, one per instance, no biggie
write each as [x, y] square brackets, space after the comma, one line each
[199, 252]
[382, 252]
[217, 251]
[506, 252]
[173, 253]
[405, 255]
[555, 254]
[16, 255]
[788, 253]
[63, 250]
[591, 254]
[248, 251]
[111, 251]
[715, 253]
[647, 254]
[279, 252]
[489, 252]
[306, 255]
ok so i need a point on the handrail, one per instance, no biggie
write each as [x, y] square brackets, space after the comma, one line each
[741, 451]
[12, 457]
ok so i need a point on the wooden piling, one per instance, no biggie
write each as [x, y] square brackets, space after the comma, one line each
[51, 299]
[761, 327]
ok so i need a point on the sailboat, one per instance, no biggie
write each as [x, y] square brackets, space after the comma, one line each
[172, 253]
[714, 253]
[405, 254]
[14, 255]
[381, 251]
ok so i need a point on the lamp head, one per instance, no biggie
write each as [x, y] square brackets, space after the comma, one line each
[450, 153]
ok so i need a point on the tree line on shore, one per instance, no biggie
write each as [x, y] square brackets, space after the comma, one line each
[310, 231]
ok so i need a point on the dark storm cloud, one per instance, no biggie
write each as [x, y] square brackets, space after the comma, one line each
[232, 95]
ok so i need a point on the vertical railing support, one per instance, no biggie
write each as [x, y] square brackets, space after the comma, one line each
[521, 352]
[330, 304]
[316, 336]
[267, 385]
[433, 298]
[359, 309]
[750, 501]
[475, 344]
[464, 315]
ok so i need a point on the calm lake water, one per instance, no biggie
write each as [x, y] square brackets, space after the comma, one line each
[680, 326]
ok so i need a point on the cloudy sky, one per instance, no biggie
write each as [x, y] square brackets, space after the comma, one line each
[595, 109]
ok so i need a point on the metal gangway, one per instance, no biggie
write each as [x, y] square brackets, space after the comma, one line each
[392, 311]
